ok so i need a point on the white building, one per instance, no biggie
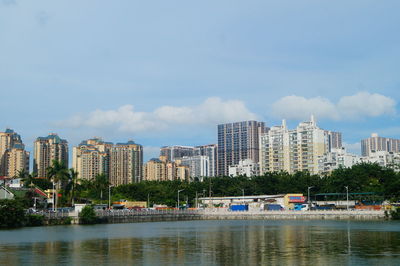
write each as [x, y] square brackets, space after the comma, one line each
[293, 150]
[199, 166]
[211, 151]
[245, 167]
[337, 158]
[384, 159]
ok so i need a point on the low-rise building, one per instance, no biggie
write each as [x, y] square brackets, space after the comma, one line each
[245, 168]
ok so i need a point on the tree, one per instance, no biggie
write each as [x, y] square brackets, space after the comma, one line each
[12, 214]
[88, 215]
[100, 183]
[59, 174]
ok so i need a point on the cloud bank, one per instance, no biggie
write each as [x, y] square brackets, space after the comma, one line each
[211, 112]
[360, 105]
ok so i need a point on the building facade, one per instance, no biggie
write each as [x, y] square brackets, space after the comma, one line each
[376, 143]
[238, 141]
[173, 153]
[199, 166]
[245, 168]
[49, 149]
[91, 158]
[210, 151]
[126, 163]
[13, 157]
[293, 150]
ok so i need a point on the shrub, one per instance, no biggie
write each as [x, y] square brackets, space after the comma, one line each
[35, 220]
[395, 213]
[88, 215]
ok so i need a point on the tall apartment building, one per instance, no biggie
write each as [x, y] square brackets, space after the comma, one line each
[13, 157]
[376, 144]
[199, 166]
[91, 158]
[173, 153]
[46, 150]
[126, 163]
[161, 169]
[238, 141]
[211, 151]
[334, 140]
[293, 150]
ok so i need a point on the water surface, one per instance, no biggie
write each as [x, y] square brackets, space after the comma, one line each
[244, 242]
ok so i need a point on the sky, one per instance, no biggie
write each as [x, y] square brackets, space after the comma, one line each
[167, 72]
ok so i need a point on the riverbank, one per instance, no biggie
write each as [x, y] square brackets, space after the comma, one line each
[222, 214]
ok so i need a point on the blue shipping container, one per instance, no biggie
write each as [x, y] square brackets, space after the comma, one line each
[235, 208]
[273, 207]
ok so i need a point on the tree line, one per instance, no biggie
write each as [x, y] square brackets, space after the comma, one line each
[363, 177]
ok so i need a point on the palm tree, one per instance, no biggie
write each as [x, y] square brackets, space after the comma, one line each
[101, 183]
[59, 174]
[71, 187]
[25, 177]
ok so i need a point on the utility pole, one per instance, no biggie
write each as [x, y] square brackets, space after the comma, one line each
[347, 196]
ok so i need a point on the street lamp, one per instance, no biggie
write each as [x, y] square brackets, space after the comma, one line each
[109, 197]
[178, 196]
[308, 197]
[347, 196]
[243, 194]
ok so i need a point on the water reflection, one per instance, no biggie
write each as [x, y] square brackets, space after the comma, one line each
[207, 243]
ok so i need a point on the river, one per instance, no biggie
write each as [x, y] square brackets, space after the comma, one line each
[227, 242]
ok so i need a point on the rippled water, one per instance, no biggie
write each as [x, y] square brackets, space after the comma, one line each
[241, 242]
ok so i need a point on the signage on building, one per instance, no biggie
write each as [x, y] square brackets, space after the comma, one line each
[297, 199]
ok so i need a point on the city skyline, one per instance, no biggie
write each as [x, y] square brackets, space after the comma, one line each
[164, 75]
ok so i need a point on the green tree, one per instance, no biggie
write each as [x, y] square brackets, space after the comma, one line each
[88, 215]
[12, 214]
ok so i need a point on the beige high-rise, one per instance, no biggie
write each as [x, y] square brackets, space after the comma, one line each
[49, 149]
[91, 158]
[13, 157]
[126, 163]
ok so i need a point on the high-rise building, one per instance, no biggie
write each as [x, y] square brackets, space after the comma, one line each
[293, 150]
[49, 149]
[13, 157]
[161, 169]
[155, 170]
[211, 151]
[238, 141]
[126, 163]
[376, 144]
[245, 168]
[91, 158]
[199, 166]
[334, 140]
[173, 153]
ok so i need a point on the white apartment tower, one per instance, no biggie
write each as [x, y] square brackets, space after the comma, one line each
[293, 150]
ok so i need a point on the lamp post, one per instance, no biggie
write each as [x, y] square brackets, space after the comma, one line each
[243, 194]
[308, 197]
[109, 197]
[347, 196]
[178, 196]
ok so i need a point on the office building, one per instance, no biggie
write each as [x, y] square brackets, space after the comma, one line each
[238, 141]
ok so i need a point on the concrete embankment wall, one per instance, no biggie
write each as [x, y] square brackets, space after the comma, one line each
[264, 215]
[295, 215]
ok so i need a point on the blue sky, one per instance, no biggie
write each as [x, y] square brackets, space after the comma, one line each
[166, 72]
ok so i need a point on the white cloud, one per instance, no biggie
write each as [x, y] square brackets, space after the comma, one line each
[126, 118]
[360, 105]
[297, 107]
